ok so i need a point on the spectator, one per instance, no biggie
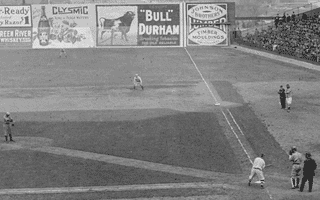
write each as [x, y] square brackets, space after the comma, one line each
[304, 17]
[314, 17]
[288, 18]
[297, 38]
[276, 20]
[284, 18]
[293, 17]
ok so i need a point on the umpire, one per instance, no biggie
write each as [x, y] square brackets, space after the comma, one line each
[282, 93]
[308, 172]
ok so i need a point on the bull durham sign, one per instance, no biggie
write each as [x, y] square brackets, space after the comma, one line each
[141, 25]
[159, 25]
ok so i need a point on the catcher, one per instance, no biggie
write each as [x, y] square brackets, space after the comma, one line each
[8, 122]
[137, 81]
[296, 158]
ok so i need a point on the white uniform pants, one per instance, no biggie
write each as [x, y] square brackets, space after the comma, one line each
[257, 172]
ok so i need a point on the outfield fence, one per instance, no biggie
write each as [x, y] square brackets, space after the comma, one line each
[105, 24]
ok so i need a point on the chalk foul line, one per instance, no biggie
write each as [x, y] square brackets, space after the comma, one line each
[114, 188]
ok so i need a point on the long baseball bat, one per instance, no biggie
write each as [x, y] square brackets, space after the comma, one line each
[269, 165]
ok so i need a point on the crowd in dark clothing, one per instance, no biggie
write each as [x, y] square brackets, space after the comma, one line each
[297, 36]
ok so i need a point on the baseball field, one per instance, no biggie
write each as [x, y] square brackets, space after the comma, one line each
[82, 132]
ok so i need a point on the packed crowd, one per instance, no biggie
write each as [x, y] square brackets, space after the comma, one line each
[297, 36]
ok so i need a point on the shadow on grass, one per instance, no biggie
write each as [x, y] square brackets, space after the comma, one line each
[193, 140]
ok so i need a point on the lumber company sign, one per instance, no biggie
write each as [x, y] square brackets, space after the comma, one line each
[206, 24]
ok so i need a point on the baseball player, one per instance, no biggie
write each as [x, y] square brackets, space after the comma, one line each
[296, 158]
[309, 167]
[8, 122]
[257, 167]
[137, 81]
[282, 93]
[63, 52]
[288, 97]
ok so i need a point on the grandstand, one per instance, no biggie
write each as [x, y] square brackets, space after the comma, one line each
[298, 38]
[265, 13]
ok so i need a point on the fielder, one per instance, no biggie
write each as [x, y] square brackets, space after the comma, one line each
[257, 167]
[288, 97]
[63, 52]
[137, 81]
[297, 159]
[8, 122]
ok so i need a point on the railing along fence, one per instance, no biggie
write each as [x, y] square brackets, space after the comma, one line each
[250, 26]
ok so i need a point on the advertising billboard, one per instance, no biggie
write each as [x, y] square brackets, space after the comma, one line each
[15, 38]
[206, 24]
[63, 26]
[159, 25]
[15, 16]
[15, 27]
[138, 25]
[116, 25]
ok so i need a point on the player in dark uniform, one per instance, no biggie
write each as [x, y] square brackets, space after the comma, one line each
[282, 93]
[308, 172]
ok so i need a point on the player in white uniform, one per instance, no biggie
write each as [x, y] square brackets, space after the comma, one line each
[257, 167]
[296, 158]
[7, 123]
[288, 97]
[137, 81]
[63, 52]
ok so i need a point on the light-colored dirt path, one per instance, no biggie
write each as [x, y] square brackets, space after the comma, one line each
[210, 197]
[182, 97]
[116, 188]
